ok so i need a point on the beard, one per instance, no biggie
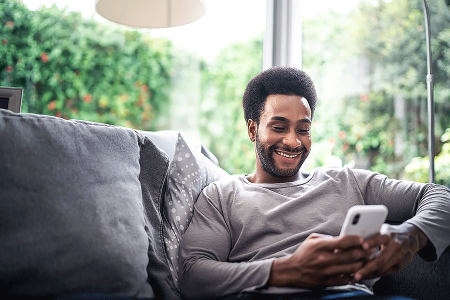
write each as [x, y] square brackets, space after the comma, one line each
[267, 160]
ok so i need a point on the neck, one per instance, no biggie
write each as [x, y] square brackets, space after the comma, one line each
[265, 177]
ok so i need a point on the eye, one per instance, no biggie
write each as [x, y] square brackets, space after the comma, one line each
[278, 128]
[303, 131]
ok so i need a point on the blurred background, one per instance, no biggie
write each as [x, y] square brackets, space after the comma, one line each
[367, 58]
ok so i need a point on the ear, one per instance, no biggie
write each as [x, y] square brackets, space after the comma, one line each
[252, 129]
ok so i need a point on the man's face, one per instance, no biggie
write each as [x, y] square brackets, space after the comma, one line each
[283, 138]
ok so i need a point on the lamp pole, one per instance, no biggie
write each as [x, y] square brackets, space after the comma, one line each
[430, 95]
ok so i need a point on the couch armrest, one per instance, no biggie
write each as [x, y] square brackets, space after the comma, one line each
[420, 280]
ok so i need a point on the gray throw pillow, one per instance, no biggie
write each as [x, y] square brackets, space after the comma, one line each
[166, 140]
[154, 164]
[189, 172]
[71, 211]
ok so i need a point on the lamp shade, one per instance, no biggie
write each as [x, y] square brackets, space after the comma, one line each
[151, 13]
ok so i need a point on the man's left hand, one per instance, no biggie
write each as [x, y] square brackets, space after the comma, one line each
[398, 245]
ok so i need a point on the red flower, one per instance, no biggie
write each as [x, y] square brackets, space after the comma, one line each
[51, 105]
[9, 69]
[342, 134]
[87, 98]
[4, 42]
[44, 57]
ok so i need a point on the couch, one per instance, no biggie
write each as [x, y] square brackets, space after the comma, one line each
[90, 208]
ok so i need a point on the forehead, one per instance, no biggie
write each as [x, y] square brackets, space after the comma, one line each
[291, 107]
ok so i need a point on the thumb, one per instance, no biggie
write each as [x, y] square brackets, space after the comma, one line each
[319, 235]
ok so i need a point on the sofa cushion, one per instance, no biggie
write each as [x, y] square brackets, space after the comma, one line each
[167, 139]
[419, 280]
[154, 165]
[189, 172]
[72, 218]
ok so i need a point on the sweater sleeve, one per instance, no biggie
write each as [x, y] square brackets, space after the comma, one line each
[427, 206]
[204, 269]
[433, 218]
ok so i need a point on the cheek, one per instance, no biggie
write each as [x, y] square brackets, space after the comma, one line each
[306, 141]
[266, 139]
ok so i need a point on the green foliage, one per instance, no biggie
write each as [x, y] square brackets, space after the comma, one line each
[418, 168]
[359, 128]
[392, 36]
[222, 121]
[367, 128]
[76, 68]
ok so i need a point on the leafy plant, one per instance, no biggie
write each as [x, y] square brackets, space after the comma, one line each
[76, 68]
[222, 121]
[372, 87]
[418, 168]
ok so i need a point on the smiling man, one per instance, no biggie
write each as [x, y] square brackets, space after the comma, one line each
[283, 138]
[277, 230]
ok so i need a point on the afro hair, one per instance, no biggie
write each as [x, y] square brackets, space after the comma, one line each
[276, 80]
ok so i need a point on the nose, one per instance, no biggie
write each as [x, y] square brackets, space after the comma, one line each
[292, 140]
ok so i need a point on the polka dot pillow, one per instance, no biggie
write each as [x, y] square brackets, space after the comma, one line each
[190, 171]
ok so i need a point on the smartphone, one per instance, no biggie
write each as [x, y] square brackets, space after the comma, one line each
[364, 220]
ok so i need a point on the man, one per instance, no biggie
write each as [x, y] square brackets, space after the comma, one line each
[280, 228]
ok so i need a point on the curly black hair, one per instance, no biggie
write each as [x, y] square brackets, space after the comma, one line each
[276, 80]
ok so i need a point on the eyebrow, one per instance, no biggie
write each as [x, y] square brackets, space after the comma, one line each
[283, 119]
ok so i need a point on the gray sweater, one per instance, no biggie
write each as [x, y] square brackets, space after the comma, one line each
[238, 227]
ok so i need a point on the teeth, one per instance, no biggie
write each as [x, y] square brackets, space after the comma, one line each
[286, 155]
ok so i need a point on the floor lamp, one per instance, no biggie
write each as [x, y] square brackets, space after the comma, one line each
[430, 95]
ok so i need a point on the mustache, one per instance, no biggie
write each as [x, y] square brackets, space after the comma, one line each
[296, 150]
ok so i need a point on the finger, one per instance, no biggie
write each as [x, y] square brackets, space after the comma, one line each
[348, 268]
[345, 264]
[364, 272]
[377, 240]
[377, 267]
[353, 254]
[345, 242]
[336, 280]
[341, 279]
[319, 235]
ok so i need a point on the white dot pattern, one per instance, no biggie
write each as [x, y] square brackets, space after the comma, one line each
[189, 173]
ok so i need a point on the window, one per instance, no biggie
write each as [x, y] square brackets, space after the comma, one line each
[367, 58]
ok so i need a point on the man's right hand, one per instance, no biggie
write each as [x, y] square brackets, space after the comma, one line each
[320, 261]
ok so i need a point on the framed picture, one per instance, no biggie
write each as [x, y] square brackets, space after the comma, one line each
[11, 98]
